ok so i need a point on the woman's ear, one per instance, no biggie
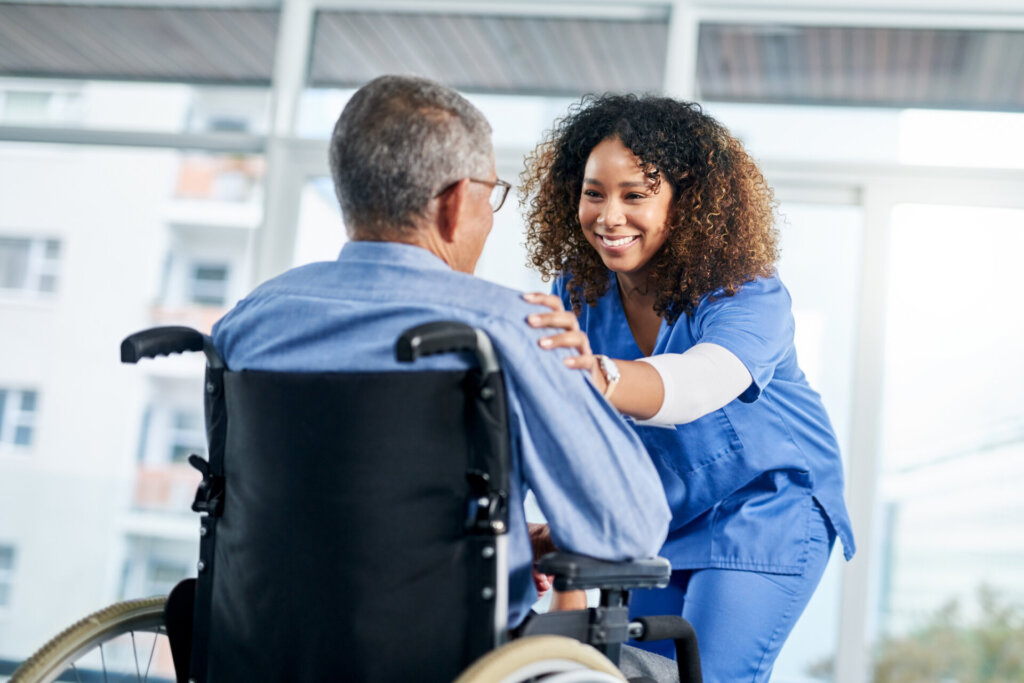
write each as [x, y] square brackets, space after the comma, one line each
[451, 209]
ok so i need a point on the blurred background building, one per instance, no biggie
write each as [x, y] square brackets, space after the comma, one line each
[157, 160]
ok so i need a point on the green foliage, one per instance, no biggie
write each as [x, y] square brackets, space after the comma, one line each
[946, 649]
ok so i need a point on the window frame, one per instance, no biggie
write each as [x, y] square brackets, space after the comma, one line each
[38, 266]
[14, 419]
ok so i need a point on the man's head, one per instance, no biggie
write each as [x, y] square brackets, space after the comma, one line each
[402, 155]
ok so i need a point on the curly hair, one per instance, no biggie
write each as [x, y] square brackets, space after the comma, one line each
[721, 221]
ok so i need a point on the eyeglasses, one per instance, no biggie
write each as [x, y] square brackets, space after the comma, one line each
[499, 191]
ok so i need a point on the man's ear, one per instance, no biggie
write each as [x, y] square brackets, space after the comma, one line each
[451, 209]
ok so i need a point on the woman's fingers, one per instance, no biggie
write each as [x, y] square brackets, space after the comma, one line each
[562, 320]
[552, 301]
[573, 339]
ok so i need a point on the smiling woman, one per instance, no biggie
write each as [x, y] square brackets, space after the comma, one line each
[658, 228]
[622, 211]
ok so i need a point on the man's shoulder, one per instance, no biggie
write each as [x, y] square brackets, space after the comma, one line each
[489, 299]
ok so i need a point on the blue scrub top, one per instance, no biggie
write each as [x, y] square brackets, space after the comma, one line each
[741, 481]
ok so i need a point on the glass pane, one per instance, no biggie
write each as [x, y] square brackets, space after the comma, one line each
[321, 231]
[953, 451]
[28, 401]
[22, 436]
[218, 177]
[13, 262]
[5, 592]
[180, 453]
[189, 420]
[47, 283]
[25, 106]
[820, 266]
[117, 229]
[139, 106]
[6, 557]
[209, 285]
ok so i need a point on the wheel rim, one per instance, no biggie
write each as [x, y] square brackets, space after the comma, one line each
[93, 633]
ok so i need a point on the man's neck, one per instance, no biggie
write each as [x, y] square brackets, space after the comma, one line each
[423, 238]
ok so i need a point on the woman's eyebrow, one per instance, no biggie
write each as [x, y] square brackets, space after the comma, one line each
[631, 183]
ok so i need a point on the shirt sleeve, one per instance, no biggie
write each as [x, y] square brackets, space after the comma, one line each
[697, 382]
[756, 325]
[592, 478]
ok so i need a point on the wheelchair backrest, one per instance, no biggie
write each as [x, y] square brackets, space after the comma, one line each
[342, 551]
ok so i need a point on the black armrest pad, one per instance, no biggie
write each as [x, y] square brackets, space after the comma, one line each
[579, 572]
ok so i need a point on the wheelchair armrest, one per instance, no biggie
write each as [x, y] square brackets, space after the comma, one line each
[580, 572]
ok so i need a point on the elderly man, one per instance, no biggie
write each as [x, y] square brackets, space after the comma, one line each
[413, 167]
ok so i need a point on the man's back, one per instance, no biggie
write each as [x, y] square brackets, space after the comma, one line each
[592, 478]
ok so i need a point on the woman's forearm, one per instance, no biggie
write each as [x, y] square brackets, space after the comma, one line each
[640, 392]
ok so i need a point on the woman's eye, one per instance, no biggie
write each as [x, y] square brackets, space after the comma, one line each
[635, 195]
[590, 193]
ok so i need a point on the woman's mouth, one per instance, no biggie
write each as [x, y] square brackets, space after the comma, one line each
[618, 243]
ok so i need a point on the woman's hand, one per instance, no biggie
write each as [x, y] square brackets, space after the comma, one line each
[571, 338]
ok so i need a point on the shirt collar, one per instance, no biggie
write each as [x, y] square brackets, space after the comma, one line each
[395, 253]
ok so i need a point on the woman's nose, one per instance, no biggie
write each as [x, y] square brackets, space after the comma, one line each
[611, 214]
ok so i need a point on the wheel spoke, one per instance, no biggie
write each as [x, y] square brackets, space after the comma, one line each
[75, 669]
[151, 651]
[103, 662]
[135, 654]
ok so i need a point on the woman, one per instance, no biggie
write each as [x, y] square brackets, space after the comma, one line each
[658, 229]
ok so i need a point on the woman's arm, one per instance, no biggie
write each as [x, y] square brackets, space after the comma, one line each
[666, 389]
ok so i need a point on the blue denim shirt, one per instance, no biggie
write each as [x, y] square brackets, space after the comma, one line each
[591, 476]
[742, 481]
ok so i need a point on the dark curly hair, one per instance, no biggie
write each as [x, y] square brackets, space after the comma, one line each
[721, 222]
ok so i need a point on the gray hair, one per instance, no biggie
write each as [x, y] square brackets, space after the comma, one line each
[399, 141]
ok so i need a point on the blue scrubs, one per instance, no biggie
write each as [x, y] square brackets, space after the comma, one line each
[756, 486]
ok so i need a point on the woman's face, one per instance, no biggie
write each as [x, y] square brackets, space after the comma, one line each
[622, 215]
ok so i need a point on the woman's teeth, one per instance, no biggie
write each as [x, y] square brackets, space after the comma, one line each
[618, 242]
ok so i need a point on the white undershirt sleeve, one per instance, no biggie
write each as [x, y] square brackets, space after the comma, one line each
[697, 382]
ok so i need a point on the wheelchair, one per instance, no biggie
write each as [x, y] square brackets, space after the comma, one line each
[353, 527]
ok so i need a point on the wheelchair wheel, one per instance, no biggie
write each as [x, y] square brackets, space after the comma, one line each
[551, 659]
[120, 641]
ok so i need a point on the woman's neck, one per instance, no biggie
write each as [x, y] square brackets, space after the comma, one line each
[638, 306]
[637, 291]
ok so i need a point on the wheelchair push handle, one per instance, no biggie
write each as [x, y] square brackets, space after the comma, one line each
[163, 341]
[679, 630]
[446, 337]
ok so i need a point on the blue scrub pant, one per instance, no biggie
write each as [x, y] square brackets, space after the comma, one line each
[742, 618]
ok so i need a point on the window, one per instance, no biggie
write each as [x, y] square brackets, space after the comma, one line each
[38, 104]
[162, 575]
[154, 565]
[208, 284]
[952, 465]
[20, 106]
[6, 575]
[188, 435]
[29, 265]
[17, 417]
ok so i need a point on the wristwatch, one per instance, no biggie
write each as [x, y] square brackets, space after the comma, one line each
[611, 373]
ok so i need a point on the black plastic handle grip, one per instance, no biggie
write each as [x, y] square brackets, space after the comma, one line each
[679, 630]
[160, 341]
[431, 338]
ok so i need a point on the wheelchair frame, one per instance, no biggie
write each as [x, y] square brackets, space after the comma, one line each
[552, 636]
